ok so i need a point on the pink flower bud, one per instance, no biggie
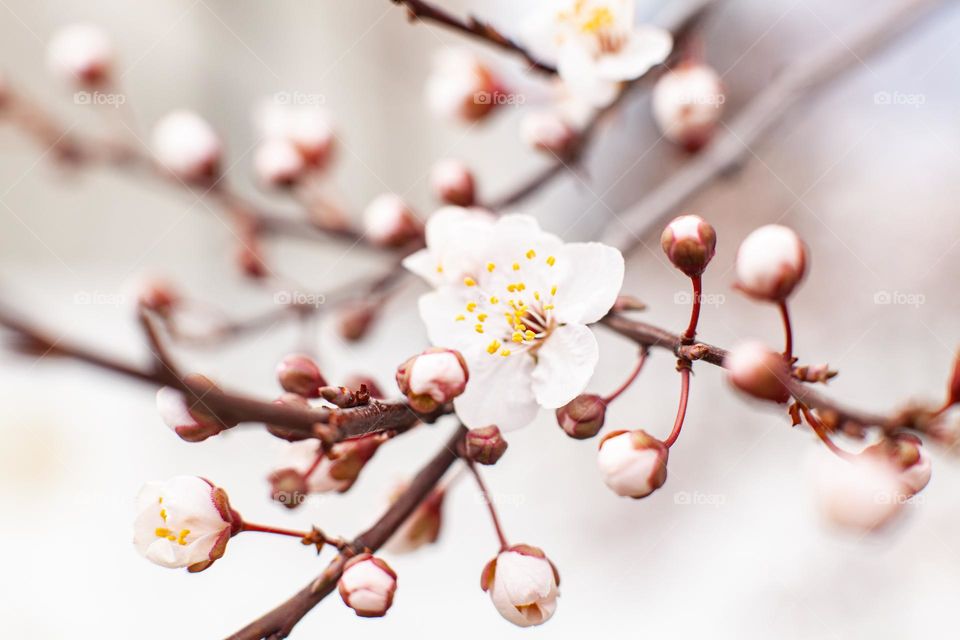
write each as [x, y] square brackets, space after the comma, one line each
[433, 378]
[687, 105]
[82, 54]
[862, 495]
[288, 487]
[633, 463]
[423, 525]
[355, 319]
[300, 374]
[453, 183]
[582, 417]
[189, 421]
[771, 262]
[367, 585]
[462, 87]
[523, 585]
[690, 243]
[184, 522]
[306, 127]
[278, 163]
[550, 132]
[389, 222]
[485, 445]
[158, 296]
[187, 146]
[907, 453]
[759, 371]
[291, 435]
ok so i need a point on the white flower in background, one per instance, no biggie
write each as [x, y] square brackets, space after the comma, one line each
[187, 146]
[514, 301]
[598, 47]
[307, 127]
[81, 54]
[389, 221]
[183, 522]
[523, 585]
[687, 104]
[862, 494]
[367, 585]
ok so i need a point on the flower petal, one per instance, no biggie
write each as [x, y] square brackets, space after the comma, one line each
[565, 364]
[439, 310]
[498, 391]
[579, 72]
[645, 47]
[590, 282]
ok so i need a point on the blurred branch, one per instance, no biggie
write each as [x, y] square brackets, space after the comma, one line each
[729, 149]
[279, 622]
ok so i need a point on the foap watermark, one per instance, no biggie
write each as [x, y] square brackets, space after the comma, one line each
[299, 298]
[884, 497]
[897, 98]
[715, 100]
[498, 98]
[899, 298]
[99, 298]
[699, 498]
[99, 98]
[706, 299]
[299, 99]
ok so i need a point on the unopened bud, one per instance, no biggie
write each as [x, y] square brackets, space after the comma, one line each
[550, 132]
[187, 146]
[285, 433]
[389, 222]
[485, 445]
[367, 585]
[299, 374]
[953, 389]
[770, 263]
[690, 243]
[582, 417]
[759, 371]
[158, 296]
[82, 54]
[250, 260]
[423, 525]
[462, 87]
[433, 378]
[348, 458]
[907, 453]
[522, 583]
[288, 487]
[278, 163]
[453, 183]
[190, 420]
[633, 463]
[687, 105]
[355, 319]
[862, 494]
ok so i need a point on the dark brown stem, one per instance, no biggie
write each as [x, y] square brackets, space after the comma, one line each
[279, 622]
[488, 499]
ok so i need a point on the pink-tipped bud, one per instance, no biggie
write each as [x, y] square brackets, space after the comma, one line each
[348, 458]
[687, 105]
[288, 487]
[299, 374]
[278, 163]
[550, 132]
[188, 420]
[523, 585]
[306, 127]
[582, 417]
[389, 222]
[485, 445]
[633, 463]
[367, 585]
[862, 494]
[462, 87]
[422, 527]
[690, 243]
[187, 146]
[907, 453]
[158, 296]
[453, 183]
[81, 54]
[771, 262]
[285, 433]
[433, 378]
[758, 371]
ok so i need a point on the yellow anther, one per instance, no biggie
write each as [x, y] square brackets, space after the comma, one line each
[529, 335]
[505, 352]
[512, 288]
[161, 532]
[163, 514]
[482, 317]
[471, 306]
[493, 346]
[521, 286]
[182, 538]
[439, 268]
[536, 295]
[470, 282]
[494, 299]
[548, 307]
[516, 266]
[531, 254]
[553, 290]
[160, 500]
[491, 267]
[551, 261]
[460, 317]
[479, 328]
[517, 336]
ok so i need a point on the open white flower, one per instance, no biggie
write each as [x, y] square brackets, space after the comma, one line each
[514, 301]
[183, 522]
[599, 47]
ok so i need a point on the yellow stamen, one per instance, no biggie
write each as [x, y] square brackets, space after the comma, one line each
[529, 335]
[505, 353]
[471, 306]
[512, 288]
[491, 267]
[163, 514]
[517, 336]
[460, 317]
[493, 346]
[553, 290]
[548, 307]
[470, 282]
[439, 268]
[161, 532]
[182, 539]
[516, 266]
[494, 299]
[531, 254]
[479, 328]
[482, 317]
[551, 261]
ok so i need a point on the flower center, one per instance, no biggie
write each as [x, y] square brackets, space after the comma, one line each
[598, 23]
[163, 532]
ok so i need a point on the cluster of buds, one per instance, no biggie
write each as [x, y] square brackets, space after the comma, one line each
[388, 221]
[633, 463]
[190, 420]
[433, 378]
[582, 417]
[687, 104]
[184, 522]
[82, 54]
[690, 244]
[187, 147]
[757, 370]
[523, 585]
[453, 183]
[367, 585]
[462, 87]
[770, 263]
[309, 468]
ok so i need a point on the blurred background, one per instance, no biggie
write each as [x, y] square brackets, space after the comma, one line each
[731, 547]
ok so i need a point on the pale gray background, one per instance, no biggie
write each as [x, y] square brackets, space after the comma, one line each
[872, 188]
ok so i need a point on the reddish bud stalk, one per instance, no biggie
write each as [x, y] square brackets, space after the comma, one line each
[684, 368]
[492, 509]
[688, 335]
[787, 331]
[250, 526]
[821, 431]
[629, 381]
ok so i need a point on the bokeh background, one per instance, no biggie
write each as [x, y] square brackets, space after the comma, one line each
[730, 548]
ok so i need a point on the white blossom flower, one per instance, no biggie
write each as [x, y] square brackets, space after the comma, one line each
[81, 53]
[187, 146]
[515, 301]
[183, 522]
[523, 585]
[599, 46]
[367, 585]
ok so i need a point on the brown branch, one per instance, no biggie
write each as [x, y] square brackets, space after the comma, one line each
[730, 147]
[280, 621]
[474, 27]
